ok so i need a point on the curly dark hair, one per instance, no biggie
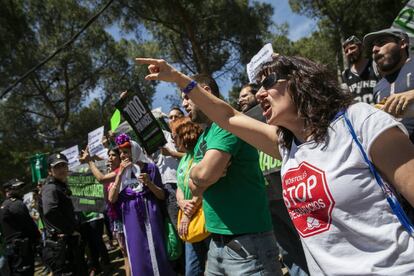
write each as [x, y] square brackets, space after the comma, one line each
[314, 91]
[187, 131]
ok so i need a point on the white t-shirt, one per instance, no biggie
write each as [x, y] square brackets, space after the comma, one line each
[345, 223]
[167, 164]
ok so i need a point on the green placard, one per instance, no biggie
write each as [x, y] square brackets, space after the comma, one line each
[38, 167]
[87, 192]
[115, 119]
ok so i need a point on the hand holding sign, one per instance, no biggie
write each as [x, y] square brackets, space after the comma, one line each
[85, 157]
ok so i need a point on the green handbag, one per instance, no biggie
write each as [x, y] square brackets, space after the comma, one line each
[172, 241]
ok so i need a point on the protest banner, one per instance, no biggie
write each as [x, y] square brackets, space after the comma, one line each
[87, 192]
[137, 113]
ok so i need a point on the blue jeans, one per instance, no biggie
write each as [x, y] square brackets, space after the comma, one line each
[196, 257]
[288, 239]
[250, 254]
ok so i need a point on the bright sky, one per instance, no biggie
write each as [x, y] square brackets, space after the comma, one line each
[299, 26]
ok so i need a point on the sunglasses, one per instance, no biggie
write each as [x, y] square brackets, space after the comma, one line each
[270, 80]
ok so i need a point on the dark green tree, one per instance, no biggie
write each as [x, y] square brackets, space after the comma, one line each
[339, 19]
[41, 113]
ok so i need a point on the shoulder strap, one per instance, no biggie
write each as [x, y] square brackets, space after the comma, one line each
[386, 189]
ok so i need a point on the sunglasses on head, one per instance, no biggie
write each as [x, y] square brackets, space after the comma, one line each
[270, 80]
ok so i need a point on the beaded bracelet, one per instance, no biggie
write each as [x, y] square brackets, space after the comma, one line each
[189, 87]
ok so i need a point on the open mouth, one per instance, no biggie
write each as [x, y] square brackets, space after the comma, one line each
[266, 108]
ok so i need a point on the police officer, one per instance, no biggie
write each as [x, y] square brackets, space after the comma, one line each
[19, 230]
[61, 251]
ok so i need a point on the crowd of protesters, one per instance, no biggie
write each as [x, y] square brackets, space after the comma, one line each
[344, 192]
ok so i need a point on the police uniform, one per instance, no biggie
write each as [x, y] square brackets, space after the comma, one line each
[19, 230]
[61, 251]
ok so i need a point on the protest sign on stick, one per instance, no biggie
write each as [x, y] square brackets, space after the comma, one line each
[149, 133]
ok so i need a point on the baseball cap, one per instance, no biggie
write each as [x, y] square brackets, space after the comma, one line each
[371, 37]
[352, 39]
[56, 158]
[13, 184]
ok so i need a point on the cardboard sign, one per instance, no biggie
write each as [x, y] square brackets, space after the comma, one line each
[72, 154]
[149, 133]
[87, 192]
[95, 143]
[257, 61]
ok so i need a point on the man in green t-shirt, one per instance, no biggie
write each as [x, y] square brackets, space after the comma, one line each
[235, 203]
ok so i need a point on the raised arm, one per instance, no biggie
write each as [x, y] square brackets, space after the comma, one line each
[102, 178]
[254, 132]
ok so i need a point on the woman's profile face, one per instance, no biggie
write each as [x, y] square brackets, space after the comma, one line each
[126, 154]
[114, 159]
[178, 142]
[277, 104]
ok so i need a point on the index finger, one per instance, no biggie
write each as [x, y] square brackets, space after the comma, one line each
[147, 61]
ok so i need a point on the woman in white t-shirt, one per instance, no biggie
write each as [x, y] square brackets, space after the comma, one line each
[344, 220]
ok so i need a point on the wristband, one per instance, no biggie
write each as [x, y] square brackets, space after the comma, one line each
[189, 87]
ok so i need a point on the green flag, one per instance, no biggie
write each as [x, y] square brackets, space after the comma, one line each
[115, 119]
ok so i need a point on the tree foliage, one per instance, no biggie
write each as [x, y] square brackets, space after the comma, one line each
[209, 37]
[42, 113]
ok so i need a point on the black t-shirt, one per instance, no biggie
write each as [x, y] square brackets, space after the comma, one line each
[361, 86]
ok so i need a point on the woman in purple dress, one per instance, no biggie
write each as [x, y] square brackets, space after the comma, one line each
[136, 192]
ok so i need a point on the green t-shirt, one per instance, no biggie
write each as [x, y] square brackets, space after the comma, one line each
[183, 174]
[236, 203]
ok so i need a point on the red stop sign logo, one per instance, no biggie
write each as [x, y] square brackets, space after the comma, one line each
[308, 200]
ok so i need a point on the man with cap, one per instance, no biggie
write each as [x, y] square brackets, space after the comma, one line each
[394, 92]
[362, 75]
[61, 252]
[19, 230]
